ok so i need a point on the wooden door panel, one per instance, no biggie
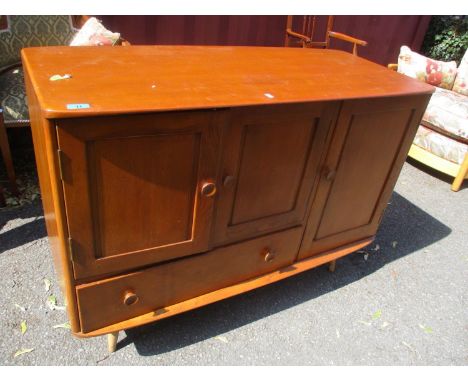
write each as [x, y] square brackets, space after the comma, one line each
[368, 149]
[270, 162]
[355, 192]
[271, 153]
[160, 177]
[132, 190]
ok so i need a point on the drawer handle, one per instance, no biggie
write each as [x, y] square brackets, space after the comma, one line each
[208, 189]
[269, 255]
[130, 298]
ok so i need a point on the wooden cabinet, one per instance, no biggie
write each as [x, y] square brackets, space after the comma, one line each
[214, 172]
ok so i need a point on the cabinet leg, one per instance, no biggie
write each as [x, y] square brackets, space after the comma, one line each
[332, 266]
[112, 341]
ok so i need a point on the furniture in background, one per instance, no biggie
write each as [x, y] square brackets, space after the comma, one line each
[441, 141]
[18, 32]
[230, 182]
[309, 29]
[25, 31]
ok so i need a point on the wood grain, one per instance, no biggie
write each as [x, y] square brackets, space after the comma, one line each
[103, 303]
[132, 188]
[369, 147]
[160, 78]
[45, 150]
[229, 291]
[272, 154]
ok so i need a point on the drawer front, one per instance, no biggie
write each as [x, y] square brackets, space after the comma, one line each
[107, 302]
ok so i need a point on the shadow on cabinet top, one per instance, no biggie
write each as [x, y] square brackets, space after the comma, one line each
[136, 79]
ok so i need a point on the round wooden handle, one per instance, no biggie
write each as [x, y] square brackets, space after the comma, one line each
[208, 189]
[269, 255]
[130, 298]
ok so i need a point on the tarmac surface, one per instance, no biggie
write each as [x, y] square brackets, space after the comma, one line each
[403, 302]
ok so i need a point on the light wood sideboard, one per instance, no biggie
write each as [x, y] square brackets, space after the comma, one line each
[173, 177]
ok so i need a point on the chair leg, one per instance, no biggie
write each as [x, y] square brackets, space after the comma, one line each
[112, 341]
[5, 148]
[461, 175]
[2, 198]
[332, 266]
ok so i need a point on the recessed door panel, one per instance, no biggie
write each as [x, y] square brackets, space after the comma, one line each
[270, 162]
[161, 176]
[368, 149]
[133, 188]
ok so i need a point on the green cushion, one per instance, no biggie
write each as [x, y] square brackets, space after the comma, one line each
[24, 31]
[13, 96]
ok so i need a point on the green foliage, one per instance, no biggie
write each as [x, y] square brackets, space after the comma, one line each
[446, 38]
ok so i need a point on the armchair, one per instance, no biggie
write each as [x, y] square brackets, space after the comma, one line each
[441, 141]
[17, 32]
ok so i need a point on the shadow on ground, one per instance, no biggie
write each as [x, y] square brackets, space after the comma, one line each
[434, 173]
[404, 223]
[24, 233]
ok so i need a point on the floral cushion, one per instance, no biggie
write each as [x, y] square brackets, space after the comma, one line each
[437, 73]
[13, 96]
[461, 82]
[440, 145]
[94, 33]
[448, 111]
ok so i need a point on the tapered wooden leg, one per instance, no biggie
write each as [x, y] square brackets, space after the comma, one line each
[112, 341]
[332, 266]
[461, 175]
[6, 154]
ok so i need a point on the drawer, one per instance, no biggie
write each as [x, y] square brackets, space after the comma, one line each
[109, 301]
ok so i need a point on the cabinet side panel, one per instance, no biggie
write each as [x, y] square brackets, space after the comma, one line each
[45, 145]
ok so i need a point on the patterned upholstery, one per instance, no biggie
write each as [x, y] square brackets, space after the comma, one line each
[461, 81]
[13, 96]
[447, 113]
[24, 31]
[440, 145]
[437, 73]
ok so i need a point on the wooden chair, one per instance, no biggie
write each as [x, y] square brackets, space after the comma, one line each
[309, 29]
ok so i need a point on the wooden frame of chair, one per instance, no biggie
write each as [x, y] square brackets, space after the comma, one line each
[308, 30]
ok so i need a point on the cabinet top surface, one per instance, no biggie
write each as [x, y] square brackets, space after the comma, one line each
[135, 79]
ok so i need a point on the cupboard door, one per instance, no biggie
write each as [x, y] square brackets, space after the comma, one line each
[138, 189]
[270, 159]
[368, 149]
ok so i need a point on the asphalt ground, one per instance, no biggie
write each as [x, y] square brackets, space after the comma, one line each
[400, 302]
